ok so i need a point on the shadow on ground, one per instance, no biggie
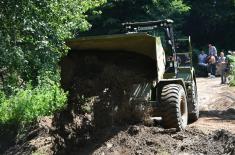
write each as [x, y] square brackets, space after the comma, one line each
[219, 114]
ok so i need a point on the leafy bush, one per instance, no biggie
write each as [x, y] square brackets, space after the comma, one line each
[231, 59]
[33, 34]
[30, 103]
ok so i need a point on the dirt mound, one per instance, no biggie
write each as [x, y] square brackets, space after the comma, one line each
[99, 88]
[36, 139]
[142, 140]
[131, 140]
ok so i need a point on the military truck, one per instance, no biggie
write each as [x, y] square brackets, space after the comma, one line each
[147, 64]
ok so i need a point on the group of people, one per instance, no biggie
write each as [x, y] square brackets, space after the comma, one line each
[212, 60]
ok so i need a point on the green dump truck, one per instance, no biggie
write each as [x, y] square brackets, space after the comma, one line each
[145, 62]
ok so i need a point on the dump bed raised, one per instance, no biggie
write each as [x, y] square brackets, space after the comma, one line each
[136, 43]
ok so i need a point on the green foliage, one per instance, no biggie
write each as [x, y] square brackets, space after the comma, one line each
[115, 12]
[232, 82]
[211, 21]
[32, 41]
[231, 60]
[32, 35]
[30, 103]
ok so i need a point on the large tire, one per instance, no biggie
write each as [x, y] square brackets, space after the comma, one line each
[174, 107]
[193, 107]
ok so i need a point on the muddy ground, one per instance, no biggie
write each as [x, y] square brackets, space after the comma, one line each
[213, 133]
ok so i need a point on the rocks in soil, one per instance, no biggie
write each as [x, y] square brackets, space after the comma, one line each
[109, 145]
[227, 141]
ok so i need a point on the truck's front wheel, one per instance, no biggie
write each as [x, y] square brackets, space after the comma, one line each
[174, 107]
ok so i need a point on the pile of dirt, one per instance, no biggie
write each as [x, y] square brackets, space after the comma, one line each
[133, 140]
[142, 140]
[37, 138]
[100, 86]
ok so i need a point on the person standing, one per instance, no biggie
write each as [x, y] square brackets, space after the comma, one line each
[212, 66]
[212, 60]
[212, 50]
[223, 67]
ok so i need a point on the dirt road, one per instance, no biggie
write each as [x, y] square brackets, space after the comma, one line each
[217, 106]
